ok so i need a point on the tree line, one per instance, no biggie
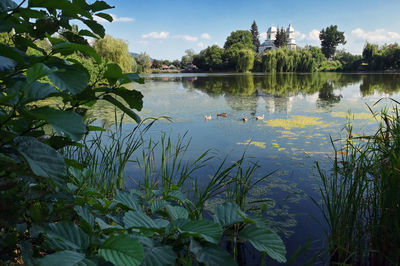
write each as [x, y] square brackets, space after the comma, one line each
[240, 54]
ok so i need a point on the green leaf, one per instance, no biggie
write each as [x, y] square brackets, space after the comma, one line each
[104, 226]
[122, 251]
[6, 5]
[95, 27]
[67, 48]
[178, 195]
[157, 205]
[12, 53]
[113, 73]
[157, 255]
[62, 121]
[227, 214]
[85, 214]
[37, 71]
[70, 78]
[6, 63]
[128, 199]
[211, 254]
[132, 97]
[66, 235]
[177, 212]
[122, 107]
[138, 220]
[208, 230]
[42, 159]
[264, 240]
[105, 16]
[99, 6]
[38, 91]
[87, 33]
[62, 258]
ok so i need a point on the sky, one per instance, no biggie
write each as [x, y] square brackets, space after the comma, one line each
[165, 29]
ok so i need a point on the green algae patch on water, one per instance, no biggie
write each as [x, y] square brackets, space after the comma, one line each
[297, 121]
[367, 116]
[258, 144]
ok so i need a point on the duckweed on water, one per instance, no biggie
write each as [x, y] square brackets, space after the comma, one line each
[353, 115]
[297, 121]
[259, 144]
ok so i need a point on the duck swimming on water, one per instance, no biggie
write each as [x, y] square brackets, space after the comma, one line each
[207, 117]
[222, 114]
[260, 117]
[245, 119]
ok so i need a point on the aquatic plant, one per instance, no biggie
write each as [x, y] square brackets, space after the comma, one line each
[361, 196]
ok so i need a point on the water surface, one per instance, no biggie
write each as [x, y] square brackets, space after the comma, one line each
[302, 113]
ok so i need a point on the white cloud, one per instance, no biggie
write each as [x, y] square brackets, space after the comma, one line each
[186, 38]
[205, 36]
[313, 35]
[115, 19]
[378, 35]
[156, 35]
[201, 44]
[299, 36]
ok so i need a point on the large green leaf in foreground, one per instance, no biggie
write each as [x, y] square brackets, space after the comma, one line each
[67, 122]
[207, 230]
[122, 251]
[63, 258]
[66, 235]
[157, 255]
[211, 254]
[264, 240]
[42, 159]
[227, 214]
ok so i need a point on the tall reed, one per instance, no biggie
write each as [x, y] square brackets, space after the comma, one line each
[361, 196]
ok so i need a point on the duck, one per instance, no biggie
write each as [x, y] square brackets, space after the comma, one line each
[207, 117]
[245, 119]
[260, 117]
[222, 114]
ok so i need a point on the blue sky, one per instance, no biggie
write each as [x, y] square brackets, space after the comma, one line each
[165, 29]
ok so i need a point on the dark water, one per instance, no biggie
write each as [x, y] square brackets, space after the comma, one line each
[301, 113]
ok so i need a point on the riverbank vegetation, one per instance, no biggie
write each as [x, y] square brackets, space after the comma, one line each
[62, 185]
[361, 196]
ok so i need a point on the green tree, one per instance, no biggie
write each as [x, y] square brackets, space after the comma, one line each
[245, 60]
[330, 38]
[144, 61]
[210, 58]
[187, 58]
[281, 38]
[240, 39]
[255, 34]
[369, 51]
[116, 51]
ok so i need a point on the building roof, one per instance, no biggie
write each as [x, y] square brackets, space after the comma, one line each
[290, 28]
[272, 29]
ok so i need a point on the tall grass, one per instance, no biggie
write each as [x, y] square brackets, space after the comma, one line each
[105, 155]
[361, 196]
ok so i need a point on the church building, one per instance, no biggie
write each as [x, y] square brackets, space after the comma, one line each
[268, 44]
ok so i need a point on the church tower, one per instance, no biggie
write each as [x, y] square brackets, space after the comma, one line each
[290, 38]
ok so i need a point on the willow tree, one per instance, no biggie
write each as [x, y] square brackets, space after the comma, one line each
[245, 60]
[116, 51]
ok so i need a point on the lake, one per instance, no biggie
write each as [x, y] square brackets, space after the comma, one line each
[302, 113]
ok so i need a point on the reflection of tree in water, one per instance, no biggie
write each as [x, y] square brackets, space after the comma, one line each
[388, 83]
[326, 97]
[241, 91]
